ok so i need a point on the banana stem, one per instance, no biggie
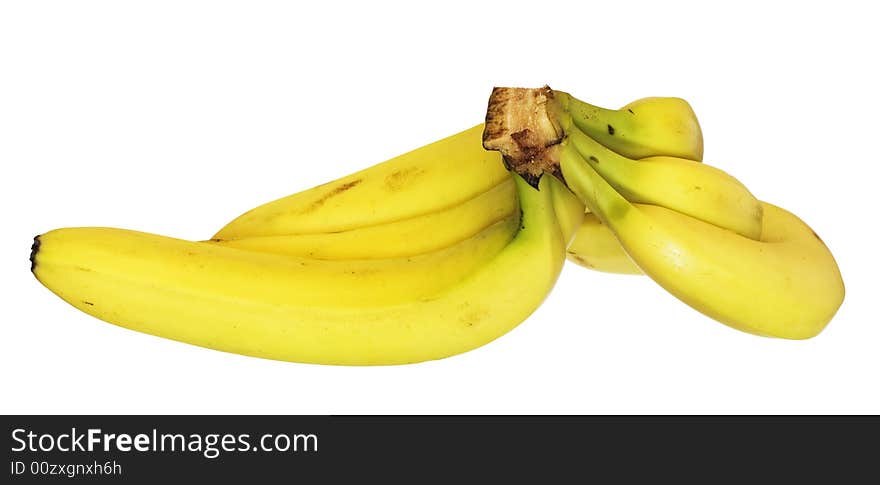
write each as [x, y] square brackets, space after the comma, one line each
[524, 125]
[592, 119]
[596, 193]
[531, 128]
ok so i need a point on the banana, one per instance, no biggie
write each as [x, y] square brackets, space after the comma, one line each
[528, 126]
[692, 188]
[594, 246]
[297, 280]
[250, 303]
[646, 127]
[782, 283]
[432, 178]
[318, 223]
[407, 237]
[787, 284]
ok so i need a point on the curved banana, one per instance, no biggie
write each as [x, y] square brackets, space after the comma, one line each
[686, 186]
[241, 301]
[293, 280]
[646, 127]
[594, 246]
[407, 237]
[432, 178]
[317, 222]
[785, 285]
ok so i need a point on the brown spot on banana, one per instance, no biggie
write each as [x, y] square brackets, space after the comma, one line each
[474, 317]
[333, 193]
[399, 178]
[580, 259]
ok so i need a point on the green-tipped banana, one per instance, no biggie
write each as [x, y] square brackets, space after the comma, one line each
[786, 284]
[647, 127]
[783, 282]
[528, 125]
[692, 188]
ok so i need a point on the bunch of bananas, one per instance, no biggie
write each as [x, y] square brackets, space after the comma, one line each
[445, 248]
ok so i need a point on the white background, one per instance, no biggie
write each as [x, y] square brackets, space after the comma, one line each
[174, 117]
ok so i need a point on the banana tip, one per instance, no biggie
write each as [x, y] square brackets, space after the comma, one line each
[35, 248]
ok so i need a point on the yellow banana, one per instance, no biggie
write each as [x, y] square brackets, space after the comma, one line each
[686, 186]
[407, 237]
[647, 127]
[528, 125]
[249, 303]
[294, 280]
[786, 284]
[783, 284]
[594, 246]
[309, 223]
[432, 178]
